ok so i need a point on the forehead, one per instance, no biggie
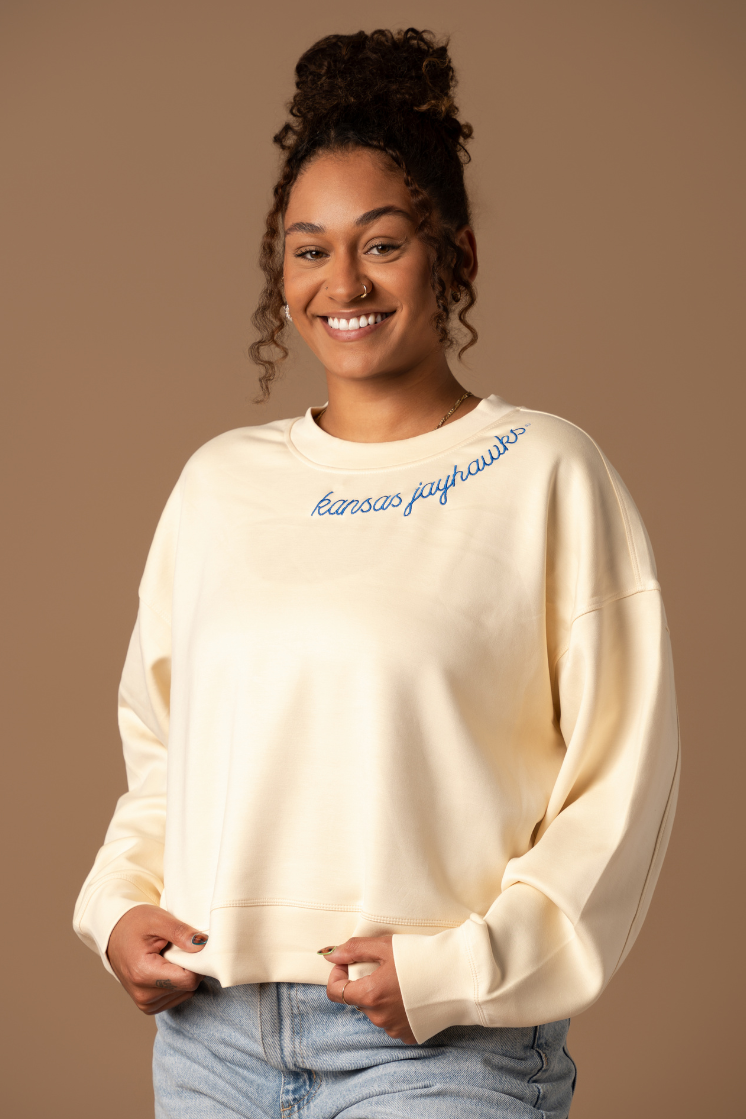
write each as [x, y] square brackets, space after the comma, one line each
[335, 188]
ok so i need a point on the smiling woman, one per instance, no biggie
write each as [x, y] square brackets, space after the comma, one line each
[337, 256]
[372, 198]
[400, 682]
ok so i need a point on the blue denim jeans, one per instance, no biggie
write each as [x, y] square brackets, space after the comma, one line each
[282, 1050]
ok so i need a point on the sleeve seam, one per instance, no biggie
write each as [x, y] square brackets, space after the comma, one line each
[656, 848]
[475, 982]
[617, 597]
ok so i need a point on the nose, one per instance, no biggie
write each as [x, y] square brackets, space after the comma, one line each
[345, 279]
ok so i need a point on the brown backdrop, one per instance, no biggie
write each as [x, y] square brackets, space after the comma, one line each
[608, 182]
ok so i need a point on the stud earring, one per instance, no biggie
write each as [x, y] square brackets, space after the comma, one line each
[288, 316]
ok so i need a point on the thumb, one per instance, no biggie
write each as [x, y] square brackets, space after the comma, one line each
[180, 934]
[357, 950]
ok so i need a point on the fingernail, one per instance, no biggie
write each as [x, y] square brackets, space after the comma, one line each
[200, 939]
[326, 951]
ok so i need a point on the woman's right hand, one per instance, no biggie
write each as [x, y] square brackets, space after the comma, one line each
[134, 952]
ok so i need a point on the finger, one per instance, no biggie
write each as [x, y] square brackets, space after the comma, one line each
[337, 973]
[165, 926]
[350, 991]
[157, 928]
[337, 978]
[161, 1004]
[176, 1001]
[154, 974]
[358, 950]
[165, 992]
[402, 1033]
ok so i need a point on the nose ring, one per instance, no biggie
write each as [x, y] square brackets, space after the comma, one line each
[365, 292]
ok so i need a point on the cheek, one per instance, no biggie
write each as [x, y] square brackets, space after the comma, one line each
[290, 277]
[416, 287]
[295, 278]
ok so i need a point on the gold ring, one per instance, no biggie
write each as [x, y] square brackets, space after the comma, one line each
[344, 1000]
[365, 292]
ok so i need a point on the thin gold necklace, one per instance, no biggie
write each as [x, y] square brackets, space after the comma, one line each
[447, 416]
[450, 411]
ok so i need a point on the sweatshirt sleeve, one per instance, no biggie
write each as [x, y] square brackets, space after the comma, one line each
[128, 869]
[571, 906]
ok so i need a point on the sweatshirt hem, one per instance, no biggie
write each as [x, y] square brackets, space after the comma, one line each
[333, 907]
[280, 942]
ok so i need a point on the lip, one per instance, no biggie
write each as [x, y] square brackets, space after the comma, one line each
[361, 332]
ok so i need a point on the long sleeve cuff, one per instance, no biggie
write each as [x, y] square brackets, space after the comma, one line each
[99, 911]
[438, 980]
[525, 965]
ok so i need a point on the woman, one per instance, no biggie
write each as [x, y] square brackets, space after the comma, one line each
[409, 664]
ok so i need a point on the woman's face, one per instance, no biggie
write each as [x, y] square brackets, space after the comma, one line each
[349, 223]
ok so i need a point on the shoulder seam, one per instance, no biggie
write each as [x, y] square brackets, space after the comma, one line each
[155, 610]
[653, 586]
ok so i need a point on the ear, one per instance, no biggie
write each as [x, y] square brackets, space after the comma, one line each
[467, 242]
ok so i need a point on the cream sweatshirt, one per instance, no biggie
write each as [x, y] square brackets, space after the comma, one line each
[421, 687]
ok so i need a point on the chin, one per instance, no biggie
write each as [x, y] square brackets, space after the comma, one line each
[358, 370]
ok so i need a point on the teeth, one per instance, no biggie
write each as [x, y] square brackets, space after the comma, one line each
[355, 323]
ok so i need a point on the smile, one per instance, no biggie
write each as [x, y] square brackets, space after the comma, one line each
[353, 326]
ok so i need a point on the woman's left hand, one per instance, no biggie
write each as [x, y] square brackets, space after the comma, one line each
[378, 995]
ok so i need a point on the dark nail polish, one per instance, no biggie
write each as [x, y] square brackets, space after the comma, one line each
[200, 939]
[326, 951]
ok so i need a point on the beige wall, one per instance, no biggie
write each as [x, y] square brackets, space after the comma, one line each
[609, 185]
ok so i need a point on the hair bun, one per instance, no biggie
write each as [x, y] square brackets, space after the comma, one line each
[384, 73]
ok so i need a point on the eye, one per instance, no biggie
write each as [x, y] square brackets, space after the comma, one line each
[309, 254]
[382, 248]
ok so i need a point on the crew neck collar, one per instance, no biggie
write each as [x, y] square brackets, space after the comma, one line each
[318, 447]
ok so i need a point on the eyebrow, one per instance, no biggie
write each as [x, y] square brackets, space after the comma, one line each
[373, 215]
[365, 219]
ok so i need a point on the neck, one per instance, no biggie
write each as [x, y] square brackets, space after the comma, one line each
[382, 410]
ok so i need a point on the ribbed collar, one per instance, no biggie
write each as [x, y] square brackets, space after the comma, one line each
[316, 445]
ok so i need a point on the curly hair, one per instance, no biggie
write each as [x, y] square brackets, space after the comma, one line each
[391, 92]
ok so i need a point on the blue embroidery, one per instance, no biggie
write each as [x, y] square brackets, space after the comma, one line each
[424, 489]
[340, 507]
